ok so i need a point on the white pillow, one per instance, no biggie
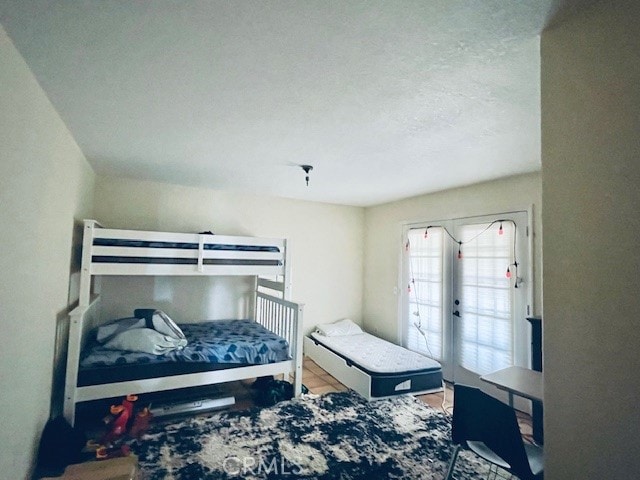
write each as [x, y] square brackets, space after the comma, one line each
[339, 328]
[145, 340]
[106, 332]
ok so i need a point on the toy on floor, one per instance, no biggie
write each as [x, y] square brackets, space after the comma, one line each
[122, 422]
[140, 423]
[119, 420]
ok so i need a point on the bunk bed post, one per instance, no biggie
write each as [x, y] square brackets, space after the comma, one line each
[73, 358]
[201, 253]
[85, 268]
[75, 337]
[286, 283]
[297, 385]
[253, 308]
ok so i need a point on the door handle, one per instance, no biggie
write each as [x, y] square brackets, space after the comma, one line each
[457, 313]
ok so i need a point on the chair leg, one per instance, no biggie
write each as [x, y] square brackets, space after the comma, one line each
[452, 463]
[496, 473]
[493, 472]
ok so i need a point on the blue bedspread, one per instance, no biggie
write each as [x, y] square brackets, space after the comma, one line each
[220, 341]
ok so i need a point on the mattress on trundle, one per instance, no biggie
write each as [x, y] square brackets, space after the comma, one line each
[393, 369]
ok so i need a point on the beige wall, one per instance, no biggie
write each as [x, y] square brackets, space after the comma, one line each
[383, 229]
[326, 245]
[45, 182]
[591, 215]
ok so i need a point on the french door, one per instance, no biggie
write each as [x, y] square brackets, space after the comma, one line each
[467, 293]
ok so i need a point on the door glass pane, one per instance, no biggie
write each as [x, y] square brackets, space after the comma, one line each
[485, 338]
[424, 332]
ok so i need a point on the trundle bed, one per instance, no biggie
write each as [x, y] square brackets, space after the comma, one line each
[269, 343]
[373, 367]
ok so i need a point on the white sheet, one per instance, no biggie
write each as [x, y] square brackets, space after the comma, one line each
[375, 354]
[145, 340]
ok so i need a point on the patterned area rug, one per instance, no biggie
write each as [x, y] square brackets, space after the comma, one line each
[334, 436]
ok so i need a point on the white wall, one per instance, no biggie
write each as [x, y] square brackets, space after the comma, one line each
[383, 244]
[326, 242]
[45, 182]
[591, 214]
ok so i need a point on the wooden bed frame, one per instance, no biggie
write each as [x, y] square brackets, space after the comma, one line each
[271, 305]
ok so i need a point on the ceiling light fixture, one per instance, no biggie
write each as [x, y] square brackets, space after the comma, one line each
[307, 169]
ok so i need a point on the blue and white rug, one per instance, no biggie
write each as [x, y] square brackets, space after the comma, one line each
[334, 436]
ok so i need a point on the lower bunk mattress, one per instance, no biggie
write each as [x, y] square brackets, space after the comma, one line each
[211, 345]
[393, 369]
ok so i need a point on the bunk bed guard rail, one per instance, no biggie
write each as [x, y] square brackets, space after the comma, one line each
[135, 252]
[284, 318]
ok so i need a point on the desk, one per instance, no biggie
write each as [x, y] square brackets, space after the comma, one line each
[522, 382]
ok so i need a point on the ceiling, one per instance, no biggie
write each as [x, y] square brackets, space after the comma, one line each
[386, 99]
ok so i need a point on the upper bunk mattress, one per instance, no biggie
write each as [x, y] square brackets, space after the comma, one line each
[163, 260]
[116, 242]
[214, 342]
[376, 356]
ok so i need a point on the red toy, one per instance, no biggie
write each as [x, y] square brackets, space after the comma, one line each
[127, 403]
[140, 423]
[120, 416]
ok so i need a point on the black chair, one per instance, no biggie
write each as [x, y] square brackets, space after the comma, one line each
[489, 428]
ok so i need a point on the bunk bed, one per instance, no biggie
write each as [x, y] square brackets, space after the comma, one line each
[276, 321]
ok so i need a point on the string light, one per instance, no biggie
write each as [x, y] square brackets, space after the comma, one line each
[418, 324]
[509, 273]
[518, 279]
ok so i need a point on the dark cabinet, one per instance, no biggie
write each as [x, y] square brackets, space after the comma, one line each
[536, 364]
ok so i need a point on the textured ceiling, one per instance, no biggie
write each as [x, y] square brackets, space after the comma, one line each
[386, 99]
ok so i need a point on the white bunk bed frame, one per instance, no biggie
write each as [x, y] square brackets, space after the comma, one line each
[275, 311]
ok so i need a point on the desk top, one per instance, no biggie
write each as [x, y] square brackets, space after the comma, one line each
[520, 381]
